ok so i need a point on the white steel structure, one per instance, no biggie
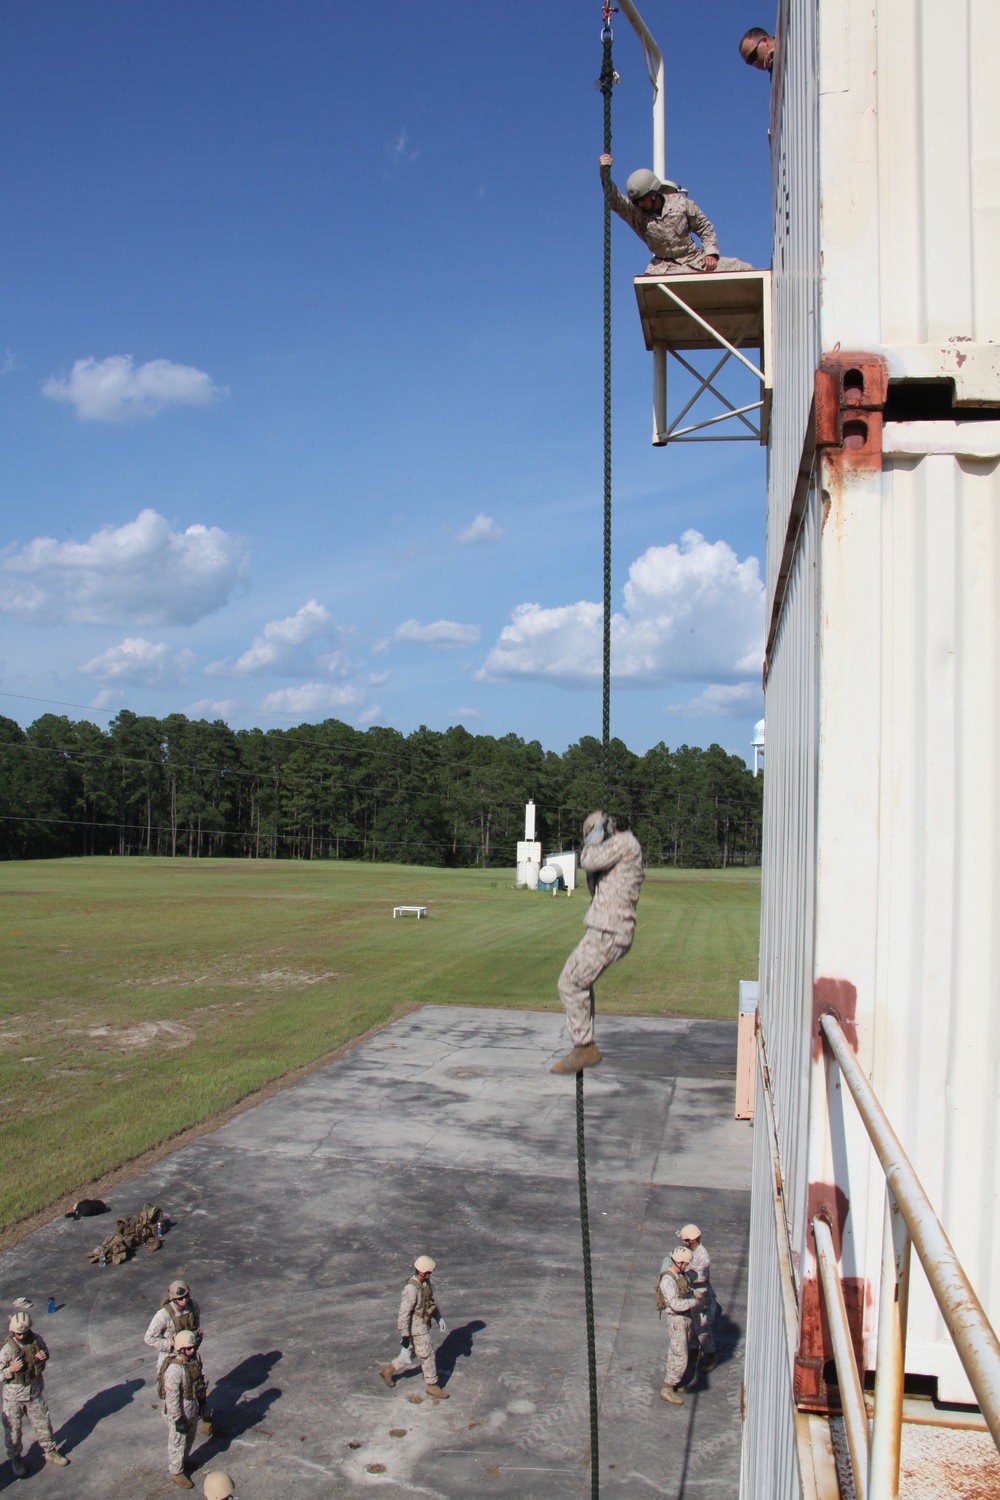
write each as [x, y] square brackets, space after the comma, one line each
[879, 998]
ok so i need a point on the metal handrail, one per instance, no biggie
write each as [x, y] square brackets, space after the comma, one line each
[849, 1381]
[972, 1333]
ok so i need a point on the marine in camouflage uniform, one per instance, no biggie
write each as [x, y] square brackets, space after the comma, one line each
[699, 1275]
[680, 1303]
[417, 1309]
[668, 231]
[177, 1311]
[613, 864]
[182, 1388]
[22, 1360]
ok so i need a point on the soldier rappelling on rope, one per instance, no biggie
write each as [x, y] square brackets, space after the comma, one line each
[612, 860]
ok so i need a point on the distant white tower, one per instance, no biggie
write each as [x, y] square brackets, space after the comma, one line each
[529, 852]
[758, 745]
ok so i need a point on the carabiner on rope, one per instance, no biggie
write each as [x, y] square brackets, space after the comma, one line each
[607, 11]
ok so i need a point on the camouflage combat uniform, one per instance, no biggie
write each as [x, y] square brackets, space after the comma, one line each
[416, 1309]
[610, 924]
[167, 1321]
[181, 1383]
[668, 235]
[699, 1275]
[23, 1394]
[675, 1290]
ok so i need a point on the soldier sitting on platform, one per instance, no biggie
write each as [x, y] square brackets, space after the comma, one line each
[664, 217]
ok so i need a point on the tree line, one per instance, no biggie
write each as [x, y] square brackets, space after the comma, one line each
[179, 786]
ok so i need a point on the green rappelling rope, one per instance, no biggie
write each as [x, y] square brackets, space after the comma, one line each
[605, 83]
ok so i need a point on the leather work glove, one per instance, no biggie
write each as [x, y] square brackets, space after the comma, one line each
[442, 1325]
[597, 833]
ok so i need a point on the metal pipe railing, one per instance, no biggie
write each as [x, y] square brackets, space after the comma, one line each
[883, 1465]
[852, 1400]
[973, 1336]
[654, 67]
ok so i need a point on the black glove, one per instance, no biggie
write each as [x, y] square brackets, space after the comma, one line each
[405, 1341]
[181, 1426]
[593, 879]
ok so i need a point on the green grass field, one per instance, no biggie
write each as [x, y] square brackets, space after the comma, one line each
[138, 997]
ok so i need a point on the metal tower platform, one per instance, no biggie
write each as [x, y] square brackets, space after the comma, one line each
[723, 312]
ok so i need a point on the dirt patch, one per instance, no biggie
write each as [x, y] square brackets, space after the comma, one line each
[170, 1034]
[100, 1187]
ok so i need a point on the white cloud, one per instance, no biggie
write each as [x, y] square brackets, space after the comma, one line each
[286, 648]
[143, 572]
[107, 698]
[721, 701]
[459, 714]
[368, 715]
[378, 679]
[399, 150]
[116, 390]
[212, 708]
[440, 633]
[312, 698]
[141, 663]
[480, 529]
[693, 613]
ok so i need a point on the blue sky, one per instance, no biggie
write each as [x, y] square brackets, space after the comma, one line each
[302, 370]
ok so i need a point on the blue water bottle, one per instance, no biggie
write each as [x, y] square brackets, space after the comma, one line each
[52, 1304]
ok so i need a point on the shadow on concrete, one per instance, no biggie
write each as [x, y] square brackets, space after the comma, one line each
[456, 1345]
[82, 1423]
[231, 1415]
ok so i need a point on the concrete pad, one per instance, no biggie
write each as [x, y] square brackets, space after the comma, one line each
[297, 1223]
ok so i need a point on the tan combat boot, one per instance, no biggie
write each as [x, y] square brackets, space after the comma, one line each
[53, 1457]
[672, 1394]
[388, 1374]
[182, 1481]
[437, 1393]
[17, 1464]
[578, 1059]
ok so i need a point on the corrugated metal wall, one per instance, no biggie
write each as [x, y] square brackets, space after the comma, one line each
[881, 846]
[795, 269]
[936, 1019]
[770, 1469]
[789, 858]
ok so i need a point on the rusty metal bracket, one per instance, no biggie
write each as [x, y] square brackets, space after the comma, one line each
[851, 390]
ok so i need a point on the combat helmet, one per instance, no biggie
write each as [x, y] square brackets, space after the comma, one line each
[218, 1486]
[681, 1256]
[185, 1339]
[644, 181]
[20, 1324]
[424, 1263]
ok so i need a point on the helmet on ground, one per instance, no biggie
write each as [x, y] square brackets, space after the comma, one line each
[177, 1289]
[185, 1339]
[644, 181]
[681, 1256]
[423, 1263]
[19, 1323]
[689, 1232]
[218, 1486]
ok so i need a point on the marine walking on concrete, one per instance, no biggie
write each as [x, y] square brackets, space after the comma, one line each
[417, 1310]
[177, 1313]
[612, 860]
[183, 1390]
[699, 1276]
[23, 1358]
[677, 1299]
